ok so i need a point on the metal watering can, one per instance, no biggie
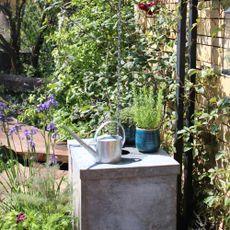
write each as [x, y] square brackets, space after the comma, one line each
[108, 147]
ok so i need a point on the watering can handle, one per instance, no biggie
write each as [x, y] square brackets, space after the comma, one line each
[109, 122]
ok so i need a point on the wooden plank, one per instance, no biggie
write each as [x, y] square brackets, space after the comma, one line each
[20, 146]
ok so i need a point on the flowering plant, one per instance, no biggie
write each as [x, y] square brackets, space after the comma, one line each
[49, 131]
[148, 7]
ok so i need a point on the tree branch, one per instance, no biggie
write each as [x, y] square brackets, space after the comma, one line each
[5, 44]
[5, 9]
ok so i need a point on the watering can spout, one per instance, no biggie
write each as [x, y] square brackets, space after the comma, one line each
[81, 142]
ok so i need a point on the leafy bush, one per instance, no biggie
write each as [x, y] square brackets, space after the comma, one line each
[35, 221]
[85, 80]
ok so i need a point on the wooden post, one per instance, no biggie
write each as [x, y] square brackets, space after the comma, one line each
[188, 159]
[180, 76]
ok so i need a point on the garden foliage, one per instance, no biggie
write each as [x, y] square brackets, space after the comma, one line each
[31, 196]
[85, 78]
[86, 62]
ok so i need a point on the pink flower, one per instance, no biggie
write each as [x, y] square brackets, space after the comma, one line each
[20, 217]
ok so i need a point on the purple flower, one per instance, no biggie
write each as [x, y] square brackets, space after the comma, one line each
[15, 129]
[53, 159]
[34, 130]
[3, 108]
[18, 127]
[51, 127]
[41, 107]
[20, 217]
[32, 144]
[50, 102]
[29, 137]
[55, 136]
[12, 130]
[27, 134]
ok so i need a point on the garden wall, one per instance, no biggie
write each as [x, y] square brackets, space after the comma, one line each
[213, 40]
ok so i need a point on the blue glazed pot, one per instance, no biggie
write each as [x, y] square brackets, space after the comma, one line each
[147, 141]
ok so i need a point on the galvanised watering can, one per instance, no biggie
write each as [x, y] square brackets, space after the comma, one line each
[108, 147]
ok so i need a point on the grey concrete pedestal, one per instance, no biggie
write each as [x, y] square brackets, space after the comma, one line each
[139, 193]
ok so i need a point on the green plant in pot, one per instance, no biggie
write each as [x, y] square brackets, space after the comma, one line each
[126, 117]
[148, 112]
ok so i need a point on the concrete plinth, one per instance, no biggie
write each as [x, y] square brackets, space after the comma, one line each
[138, 193]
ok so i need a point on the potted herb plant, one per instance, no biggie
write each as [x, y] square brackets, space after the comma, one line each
[147, 112]
[126, 117]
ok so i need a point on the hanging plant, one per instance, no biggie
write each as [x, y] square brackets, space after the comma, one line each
[149, 7]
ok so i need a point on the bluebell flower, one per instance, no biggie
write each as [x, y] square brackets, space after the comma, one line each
[3, 108]
[32, 144]
[33, 130]
[29, 137]
[12, 130]
[53, 159]
[55, 136]
[27, 134]
[51, 127]
[18, 127]
[50, 102]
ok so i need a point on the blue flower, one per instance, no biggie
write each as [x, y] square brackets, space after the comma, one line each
[55, 136]
[32, 144]
[51, 127]
[12, 130]
[50, 102]
[33, 130]
[3, 108]
[15, 129]
[53, 159]
[29, 137]
[27, 134]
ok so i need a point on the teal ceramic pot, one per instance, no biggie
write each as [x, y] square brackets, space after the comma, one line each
[147, 141]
